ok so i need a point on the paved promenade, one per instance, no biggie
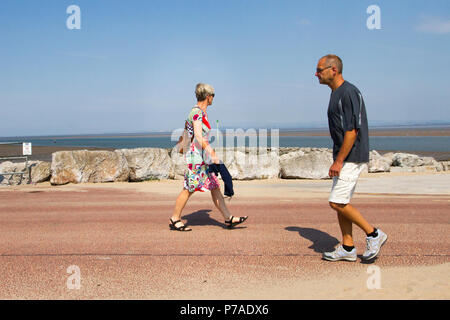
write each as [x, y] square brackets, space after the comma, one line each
[117, 237]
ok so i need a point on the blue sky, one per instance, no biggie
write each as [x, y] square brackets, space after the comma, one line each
[133, 65]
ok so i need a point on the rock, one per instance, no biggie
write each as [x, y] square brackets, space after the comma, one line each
[40, 171]
[414, 169]
[378, 163]
[389, 155]
[431, 162]
[251, 163]
[147, 163]
[88, 166]
[179, 165]
[445, 165]
[406, 160]
[306, 163]
[13, 179]
[401, 169]
[242, 163]
[286, 150]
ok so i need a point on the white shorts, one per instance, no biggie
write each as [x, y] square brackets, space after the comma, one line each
[344, 185]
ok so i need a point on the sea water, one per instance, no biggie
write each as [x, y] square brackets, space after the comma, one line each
[394, 143]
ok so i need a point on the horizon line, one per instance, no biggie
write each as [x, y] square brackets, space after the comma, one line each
[285, 129]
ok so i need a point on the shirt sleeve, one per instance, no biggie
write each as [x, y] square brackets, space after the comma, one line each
[351, 110]
[196, 115]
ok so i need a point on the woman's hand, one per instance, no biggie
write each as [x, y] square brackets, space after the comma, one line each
[215, 159]
[212, 154]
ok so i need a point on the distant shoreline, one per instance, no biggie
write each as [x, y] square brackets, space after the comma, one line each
[44, 152]
[320, 132]
[381, 132]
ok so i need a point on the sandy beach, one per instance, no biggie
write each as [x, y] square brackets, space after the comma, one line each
[117, 235]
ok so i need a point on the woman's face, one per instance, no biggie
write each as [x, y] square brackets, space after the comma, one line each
[210, 98]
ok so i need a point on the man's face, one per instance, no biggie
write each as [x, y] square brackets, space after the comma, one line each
[325, 72]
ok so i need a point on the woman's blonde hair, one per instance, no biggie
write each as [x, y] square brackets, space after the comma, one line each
[202, 90]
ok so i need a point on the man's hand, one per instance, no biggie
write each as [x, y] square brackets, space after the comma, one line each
[347, 144]
[335, 169]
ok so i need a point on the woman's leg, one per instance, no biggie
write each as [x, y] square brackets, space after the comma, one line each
[180, 203]
[219, 202]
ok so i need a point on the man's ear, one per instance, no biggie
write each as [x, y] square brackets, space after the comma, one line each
[335, 70]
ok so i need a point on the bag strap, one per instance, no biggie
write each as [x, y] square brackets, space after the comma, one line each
[204, 120]
[186, 123]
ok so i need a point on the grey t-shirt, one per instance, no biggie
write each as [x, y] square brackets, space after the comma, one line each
[346, 111]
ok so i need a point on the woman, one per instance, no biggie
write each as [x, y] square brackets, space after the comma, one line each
[197, 176]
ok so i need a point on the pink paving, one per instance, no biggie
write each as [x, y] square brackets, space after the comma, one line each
[121, 241]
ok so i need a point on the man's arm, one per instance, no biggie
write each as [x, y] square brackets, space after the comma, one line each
[347, 144]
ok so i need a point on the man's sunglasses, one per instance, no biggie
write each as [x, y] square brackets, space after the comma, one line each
[318, 70]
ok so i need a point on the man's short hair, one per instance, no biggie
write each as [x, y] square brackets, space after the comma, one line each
[202, 90]
[335, 61]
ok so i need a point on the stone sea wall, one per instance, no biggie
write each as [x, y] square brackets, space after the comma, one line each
[143, 164]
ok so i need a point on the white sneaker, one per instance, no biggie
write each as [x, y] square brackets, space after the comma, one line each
[374, 245]
[340, 254]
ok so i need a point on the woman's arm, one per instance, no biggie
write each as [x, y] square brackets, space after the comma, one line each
[203, 141]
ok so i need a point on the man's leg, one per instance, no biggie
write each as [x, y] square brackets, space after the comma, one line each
[346, 250]
[347, 214]
[346, 230]
[341, 193]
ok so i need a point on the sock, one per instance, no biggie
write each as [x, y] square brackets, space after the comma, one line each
[374, 234]
[348, 248]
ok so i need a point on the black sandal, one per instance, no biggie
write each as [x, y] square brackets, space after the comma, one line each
[173, 227]
[231, 224]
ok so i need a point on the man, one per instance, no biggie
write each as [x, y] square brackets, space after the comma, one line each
[348, 127]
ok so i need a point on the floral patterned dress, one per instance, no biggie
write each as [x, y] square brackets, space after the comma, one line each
[197, 177]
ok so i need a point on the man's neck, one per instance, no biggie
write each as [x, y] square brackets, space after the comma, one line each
[337, 83]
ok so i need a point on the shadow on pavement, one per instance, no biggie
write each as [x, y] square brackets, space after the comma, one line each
[367, 261]
[202, 218]
[322, 241]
